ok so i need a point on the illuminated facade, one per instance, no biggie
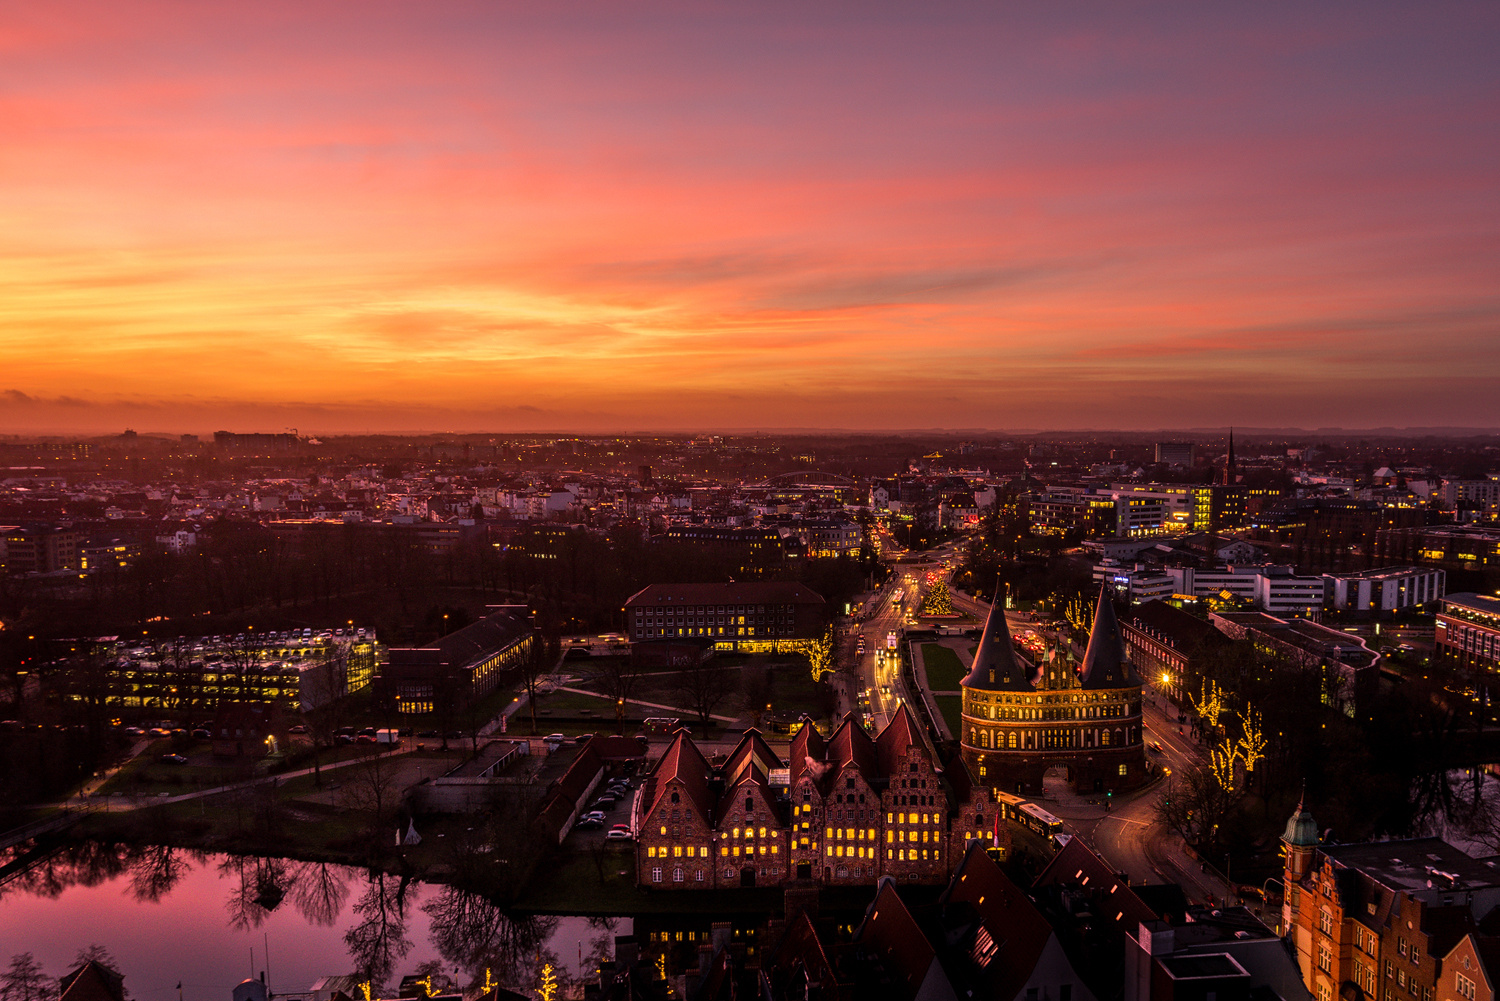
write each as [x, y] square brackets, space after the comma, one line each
[738, 615]
[1015, 727]
[847, 811]
[461, 667]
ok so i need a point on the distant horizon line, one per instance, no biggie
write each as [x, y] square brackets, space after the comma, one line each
[796, 431]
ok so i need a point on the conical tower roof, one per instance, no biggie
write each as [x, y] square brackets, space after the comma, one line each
[995, 668]
[1104, 663]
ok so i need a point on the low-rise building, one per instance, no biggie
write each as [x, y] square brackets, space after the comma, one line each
[1468, 632]
[739, 615]
[463, 666]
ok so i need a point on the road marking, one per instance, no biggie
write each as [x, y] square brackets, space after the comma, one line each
[1125, 820]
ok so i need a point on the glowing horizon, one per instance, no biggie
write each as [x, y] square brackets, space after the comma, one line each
[586, 217]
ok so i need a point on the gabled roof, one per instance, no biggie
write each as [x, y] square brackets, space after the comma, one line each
[1077, 866]
[995, 666]
[683, 763]
[894, 935]
[1104, 663]
[753, 788]
[752, 755]
[851, 745]
[807, 746]
[897, 735]
[91, 982]
[1016, 929]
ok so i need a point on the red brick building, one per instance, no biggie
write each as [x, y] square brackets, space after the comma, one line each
[854, 808]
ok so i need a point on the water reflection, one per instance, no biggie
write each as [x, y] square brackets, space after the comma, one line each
[381, 915]
[480, 938]
[156, 869]
[378, 941]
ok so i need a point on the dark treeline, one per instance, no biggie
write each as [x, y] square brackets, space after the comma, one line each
[384, 577]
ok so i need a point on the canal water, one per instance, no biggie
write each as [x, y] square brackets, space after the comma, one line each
[206, 921]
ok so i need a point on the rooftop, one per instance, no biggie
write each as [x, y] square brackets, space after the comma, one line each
[1417, 866]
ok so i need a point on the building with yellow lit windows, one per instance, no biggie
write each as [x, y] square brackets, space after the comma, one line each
[846, 811]
[1017, 724]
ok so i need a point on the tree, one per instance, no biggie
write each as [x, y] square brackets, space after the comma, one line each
[701, 687]
[533, 668]
[372, 788]
[24, 980]
[616, 677]
[937, 601]
[823, 654]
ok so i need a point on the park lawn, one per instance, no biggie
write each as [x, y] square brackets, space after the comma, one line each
[944, 669]
[951, 706]
[793, 689]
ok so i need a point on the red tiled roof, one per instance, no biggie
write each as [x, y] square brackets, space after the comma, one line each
[899, 734]
[806, 745]
[751, 754]
[1077, 866]
[1013, 923]
[683, 763]
[891, 931]
[748, 786]
[851, 745]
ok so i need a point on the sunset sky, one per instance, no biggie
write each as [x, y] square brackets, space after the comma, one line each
[631, 216]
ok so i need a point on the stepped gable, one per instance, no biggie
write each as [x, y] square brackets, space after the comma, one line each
[899, 734]
[685, 764]
[995, 666]
[851, 745]
[1017, 931]
[1104, 663]
[752, 756]
[807, 745]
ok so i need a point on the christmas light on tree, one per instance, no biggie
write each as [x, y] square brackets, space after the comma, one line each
[937, 600]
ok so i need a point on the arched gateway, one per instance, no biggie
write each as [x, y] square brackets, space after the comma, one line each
[1017, 724]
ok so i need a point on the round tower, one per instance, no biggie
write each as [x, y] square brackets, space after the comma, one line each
[1300, 844]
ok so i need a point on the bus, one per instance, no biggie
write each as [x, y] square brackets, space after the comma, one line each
[1009, 806]
[1039, 820]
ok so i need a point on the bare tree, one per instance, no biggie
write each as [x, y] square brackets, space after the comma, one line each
[373, 788]
[702, 687]
[377, 941]
[533, 669]
[616, 678]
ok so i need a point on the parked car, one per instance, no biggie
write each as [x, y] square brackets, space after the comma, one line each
[135, 731]
[589, 822]
[299, 728]
[159, 731]
[365, 738]
[201, 734]
[619, 834]
[583, 738]
[551, 738]
[173, 759]
[593, 815]
[606, 801]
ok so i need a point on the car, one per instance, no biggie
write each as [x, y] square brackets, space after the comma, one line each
[135, 731]
[606, 801]
[344, 738]
[618, 834]
[1156, 746]
[299, 728]
[583, 738]
[593, 815]
[173, 759]
[365, 738]
[429, 734]
[551, 738]
[201, 734]
[589, 822]
[160, 731]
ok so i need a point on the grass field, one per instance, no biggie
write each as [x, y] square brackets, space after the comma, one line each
[951, 706]
[944, 669]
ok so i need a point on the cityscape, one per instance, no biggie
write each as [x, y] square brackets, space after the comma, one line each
[666, 502]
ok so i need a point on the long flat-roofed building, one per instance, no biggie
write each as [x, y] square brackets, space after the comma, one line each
[736, 615]
[1468, 630]
[464, 665]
